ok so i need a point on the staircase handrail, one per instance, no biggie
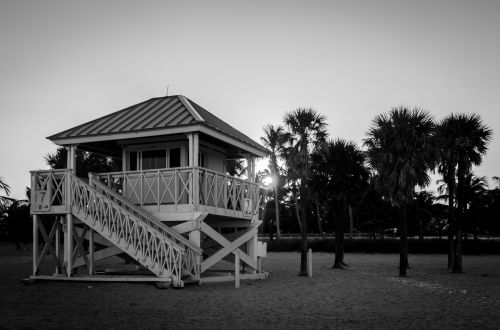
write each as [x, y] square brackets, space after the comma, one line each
[144, 215]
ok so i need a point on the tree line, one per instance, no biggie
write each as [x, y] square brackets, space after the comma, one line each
[332, 183]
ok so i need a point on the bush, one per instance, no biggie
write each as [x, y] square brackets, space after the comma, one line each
[388, 245]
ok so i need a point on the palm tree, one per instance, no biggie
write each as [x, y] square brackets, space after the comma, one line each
[463, 141]
[274, 139]
[400, 151]
[4, 186]
[446, 132]
[339, 173]
[307, 132]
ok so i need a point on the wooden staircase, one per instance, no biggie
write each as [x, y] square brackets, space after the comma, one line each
[154, 245]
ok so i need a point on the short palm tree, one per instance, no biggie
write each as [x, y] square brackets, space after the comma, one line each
[400, 151]
[339, 174]
[274, 140]
[307, 132]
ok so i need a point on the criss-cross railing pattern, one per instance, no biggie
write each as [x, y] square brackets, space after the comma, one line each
[49, 189]
[220, 190]
[175, 187]
[138, 238]
[192, 258]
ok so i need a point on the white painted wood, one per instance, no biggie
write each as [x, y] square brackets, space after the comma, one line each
[35, 244]
[252, 249]
[91, 251]
[68, 245]
[195, 237]
[103, 278]
[129, 135]
[190, 149]
[99, 255]
[237, 270]
[228, 247]
[190, 108]
[124, 159]
[58, 244]
[72, 157]
[230, 278]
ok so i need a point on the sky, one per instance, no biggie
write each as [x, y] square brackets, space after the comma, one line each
[66, 62]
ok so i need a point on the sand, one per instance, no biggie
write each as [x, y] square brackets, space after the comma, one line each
[366, 295]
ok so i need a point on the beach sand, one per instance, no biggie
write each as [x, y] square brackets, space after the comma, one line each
[368, 294]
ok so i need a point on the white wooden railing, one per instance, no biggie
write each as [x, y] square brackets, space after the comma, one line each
[151, 243]
[213, 192]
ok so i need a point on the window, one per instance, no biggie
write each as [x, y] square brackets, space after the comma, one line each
[175, 157]
[152, 159]
[201, 159]
[133, 161]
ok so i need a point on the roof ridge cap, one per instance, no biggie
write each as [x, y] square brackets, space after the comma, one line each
[190, 108]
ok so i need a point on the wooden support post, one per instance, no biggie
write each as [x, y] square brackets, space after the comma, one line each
[195, 237]
[237, 270]
[252, 250]
[259, 265]
[71, 158]
[35, 244]
[91, 251]
[196, 173]
[309, 263]
[58, 244]
[68, 244]
[251, 168]
[190, 149]
[124, 160]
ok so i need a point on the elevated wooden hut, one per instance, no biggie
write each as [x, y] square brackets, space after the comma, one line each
[172, 207]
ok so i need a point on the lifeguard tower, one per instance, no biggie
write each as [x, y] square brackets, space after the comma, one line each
[172, 207]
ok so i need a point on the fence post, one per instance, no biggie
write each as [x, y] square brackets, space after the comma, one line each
[35, 244]
[237, 270]
[309, 263]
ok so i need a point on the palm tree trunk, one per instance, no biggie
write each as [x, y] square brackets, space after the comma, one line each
[318, 216]
[339, 236]
[277, 207]
[457, 261]
[303, 251]
[297, 213]
[451, 221]
[338, 258]
[403, 252]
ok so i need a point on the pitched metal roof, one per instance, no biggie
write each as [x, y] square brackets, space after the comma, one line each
[154, 114]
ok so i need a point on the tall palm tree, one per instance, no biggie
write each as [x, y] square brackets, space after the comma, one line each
[463, 141]
[274, 139]
[400, 151]
[472, 144]
[339, 173]
[307, 132]
[445, 134]
[4, 186]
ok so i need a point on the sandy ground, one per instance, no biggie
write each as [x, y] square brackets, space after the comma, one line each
[367, 295]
